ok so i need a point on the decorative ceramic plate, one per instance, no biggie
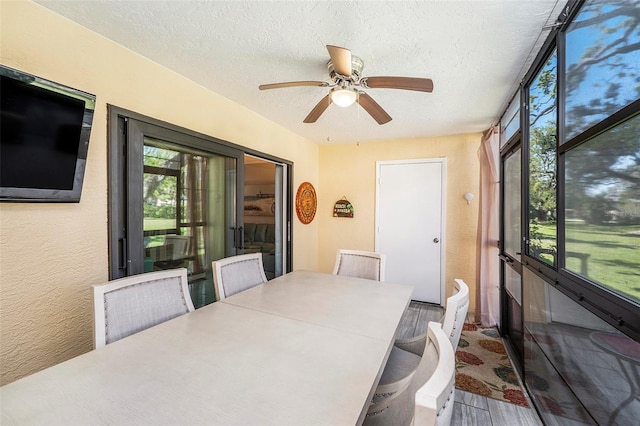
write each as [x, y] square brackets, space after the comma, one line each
[306, 202]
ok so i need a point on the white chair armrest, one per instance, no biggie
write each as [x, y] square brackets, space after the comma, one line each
[414, 345]
[385, 394]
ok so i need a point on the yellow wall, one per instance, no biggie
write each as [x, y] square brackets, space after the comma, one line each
[349, 170]
[51, 254]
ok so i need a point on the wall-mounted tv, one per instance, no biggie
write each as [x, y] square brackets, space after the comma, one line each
[44, 138]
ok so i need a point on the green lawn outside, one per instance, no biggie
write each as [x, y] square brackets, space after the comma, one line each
[546, 241]
[613, 253]
[154, 224]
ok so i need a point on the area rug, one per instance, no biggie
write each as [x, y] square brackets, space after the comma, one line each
[483, 367]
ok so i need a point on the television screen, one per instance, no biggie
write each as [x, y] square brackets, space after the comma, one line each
[44, 137]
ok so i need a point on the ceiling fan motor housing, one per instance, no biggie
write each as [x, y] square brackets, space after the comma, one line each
[356, 70]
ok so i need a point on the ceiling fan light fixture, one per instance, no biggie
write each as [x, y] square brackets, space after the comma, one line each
[343, 97]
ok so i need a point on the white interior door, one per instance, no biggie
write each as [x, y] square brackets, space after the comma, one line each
[410, 226]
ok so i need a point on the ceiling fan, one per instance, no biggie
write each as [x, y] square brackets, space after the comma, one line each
[345, 72]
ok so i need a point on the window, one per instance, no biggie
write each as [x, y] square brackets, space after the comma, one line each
[602, 57]
[601, 158]
[542, 231]
[161, 173]
[602, 209]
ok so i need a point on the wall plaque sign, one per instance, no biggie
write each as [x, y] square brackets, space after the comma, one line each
[343, 208]
[306, 202]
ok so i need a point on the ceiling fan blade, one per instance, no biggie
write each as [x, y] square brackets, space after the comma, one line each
[292, 84]
[373, 108]
[341, 59]
[405, 83]
[317, 111]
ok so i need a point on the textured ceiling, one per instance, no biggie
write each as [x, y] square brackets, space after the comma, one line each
[476, 53]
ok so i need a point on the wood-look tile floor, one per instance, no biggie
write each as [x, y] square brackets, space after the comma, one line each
[470, 409]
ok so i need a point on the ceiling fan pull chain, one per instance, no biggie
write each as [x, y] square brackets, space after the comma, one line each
[358, 120]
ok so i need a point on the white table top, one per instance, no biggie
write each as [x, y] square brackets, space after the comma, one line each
[222, 364]
[355, 305]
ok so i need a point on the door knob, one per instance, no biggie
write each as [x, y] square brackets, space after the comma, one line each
[436, 240]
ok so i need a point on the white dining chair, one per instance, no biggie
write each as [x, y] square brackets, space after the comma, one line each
[234, 274]
[434, 401]
[131, 304]
[429, 398]
[452, 321]
[406, 354]
[360, 264]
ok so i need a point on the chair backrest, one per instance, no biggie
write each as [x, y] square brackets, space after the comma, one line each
[434, 400]
[360, 264]
[180, 245]
[131, 304]
[234, 274]
[456, 312]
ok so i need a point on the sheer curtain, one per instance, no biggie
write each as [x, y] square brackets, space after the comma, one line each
[487, 290]
[194, 212]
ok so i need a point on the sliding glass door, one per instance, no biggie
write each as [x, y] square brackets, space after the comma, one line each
[511, 252]
[264, 218]
[177, 200]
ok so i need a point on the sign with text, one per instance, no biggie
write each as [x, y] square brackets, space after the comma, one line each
[343, 208]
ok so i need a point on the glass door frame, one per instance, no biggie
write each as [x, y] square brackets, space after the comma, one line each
[127, 130]
[513, 147]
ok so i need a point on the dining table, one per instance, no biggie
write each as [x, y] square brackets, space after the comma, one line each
[305, 348]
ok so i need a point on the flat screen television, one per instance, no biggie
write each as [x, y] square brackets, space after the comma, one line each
[44, 138]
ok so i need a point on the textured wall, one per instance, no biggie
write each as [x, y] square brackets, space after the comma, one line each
[51, 254]
[350, 170]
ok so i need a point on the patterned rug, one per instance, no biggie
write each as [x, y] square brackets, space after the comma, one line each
[483, 367]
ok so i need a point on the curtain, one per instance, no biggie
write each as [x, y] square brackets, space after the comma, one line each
[193, 214]
[487, 290]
